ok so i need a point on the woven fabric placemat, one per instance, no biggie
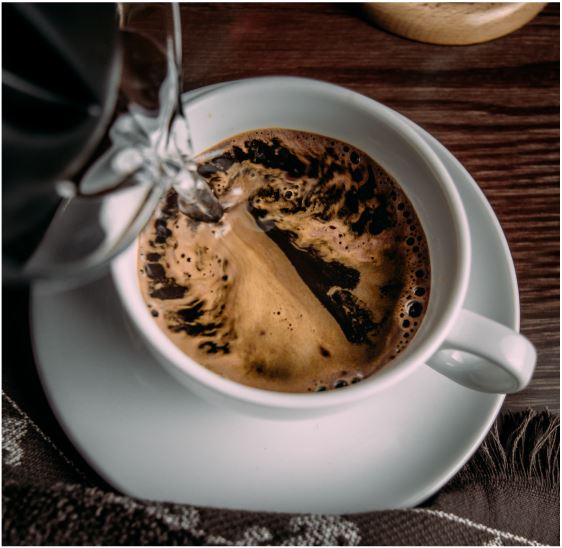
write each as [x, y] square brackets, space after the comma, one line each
[507, 494]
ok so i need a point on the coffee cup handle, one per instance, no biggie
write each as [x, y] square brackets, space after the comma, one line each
[485, 355]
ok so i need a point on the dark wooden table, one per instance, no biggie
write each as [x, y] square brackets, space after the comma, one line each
[494, 105]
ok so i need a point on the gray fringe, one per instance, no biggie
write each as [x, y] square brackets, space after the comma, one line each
[524, 446]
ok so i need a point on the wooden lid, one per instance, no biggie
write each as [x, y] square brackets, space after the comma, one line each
[451, 23]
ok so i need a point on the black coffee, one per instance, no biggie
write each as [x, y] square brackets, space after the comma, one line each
[316, 277]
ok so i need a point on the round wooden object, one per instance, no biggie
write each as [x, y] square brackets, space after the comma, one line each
[453, 24]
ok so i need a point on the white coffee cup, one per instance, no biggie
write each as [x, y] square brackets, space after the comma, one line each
[473, 350]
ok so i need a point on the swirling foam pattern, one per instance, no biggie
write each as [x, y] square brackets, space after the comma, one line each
[316, 276]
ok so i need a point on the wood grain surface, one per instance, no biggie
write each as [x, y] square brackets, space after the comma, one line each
[494, 105]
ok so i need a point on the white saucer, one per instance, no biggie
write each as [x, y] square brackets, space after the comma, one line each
[151, 438]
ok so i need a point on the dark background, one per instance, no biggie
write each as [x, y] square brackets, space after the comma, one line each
[495, 106]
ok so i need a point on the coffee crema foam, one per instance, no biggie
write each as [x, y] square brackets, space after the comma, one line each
[316, 276]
